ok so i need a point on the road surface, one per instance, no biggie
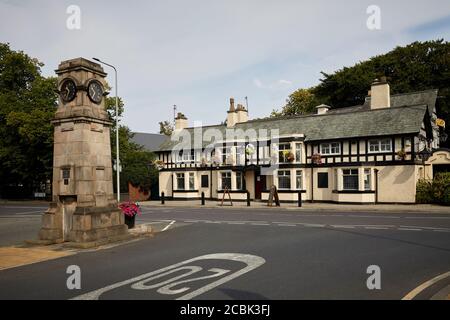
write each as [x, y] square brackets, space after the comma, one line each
[251, 254]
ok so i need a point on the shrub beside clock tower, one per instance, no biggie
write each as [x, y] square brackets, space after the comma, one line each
[83, 208]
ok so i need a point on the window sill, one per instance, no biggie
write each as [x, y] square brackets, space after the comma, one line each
[353, 191]
[184, 191]
[232, 191]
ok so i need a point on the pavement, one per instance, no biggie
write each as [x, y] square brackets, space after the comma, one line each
[306, 206]
[256, 253]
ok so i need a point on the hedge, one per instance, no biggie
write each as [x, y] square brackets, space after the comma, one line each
[434, 191]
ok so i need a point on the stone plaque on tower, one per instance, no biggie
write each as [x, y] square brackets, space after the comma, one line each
[83, 207]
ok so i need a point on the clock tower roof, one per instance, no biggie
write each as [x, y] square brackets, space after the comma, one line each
[78, 64]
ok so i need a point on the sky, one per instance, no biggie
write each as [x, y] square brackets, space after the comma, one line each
[197, 54]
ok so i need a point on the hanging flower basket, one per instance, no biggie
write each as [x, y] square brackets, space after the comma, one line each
[159, 164]
[316, 158]
[401, 154]
[130, 211]
[250, 149]
[290, 156]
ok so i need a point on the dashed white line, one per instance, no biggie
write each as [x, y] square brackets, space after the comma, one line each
[375, 228]
[342, 227]
[313, 225]
[409, 229]
[286, 225]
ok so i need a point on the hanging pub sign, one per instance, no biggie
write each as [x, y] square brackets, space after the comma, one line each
[440, 122]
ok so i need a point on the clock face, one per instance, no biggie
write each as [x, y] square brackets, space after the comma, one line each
[95, 92]
[68, 90]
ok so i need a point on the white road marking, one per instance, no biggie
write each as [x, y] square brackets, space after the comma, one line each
[287, 225]
[259, 224]
[343, 227]
[409, 229]
[168, 226]
[236, 222]
[376, 228]
[425, 285]
[314, 225]
[139, 283]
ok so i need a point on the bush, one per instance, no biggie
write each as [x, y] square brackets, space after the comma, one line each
[435, 191]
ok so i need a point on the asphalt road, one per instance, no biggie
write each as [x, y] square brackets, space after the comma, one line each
[276, 255]
[19, 222]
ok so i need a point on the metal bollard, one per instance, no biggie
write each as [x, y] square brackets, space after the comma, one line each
[248, 199]
[203, 198]
[299, 198]
[162, 198]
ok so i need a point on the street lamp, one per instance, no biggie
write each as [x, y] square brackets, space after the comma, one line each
[117, 129]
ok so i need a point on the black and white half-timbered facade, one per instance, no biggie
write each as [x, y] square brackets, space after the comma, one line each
[370, 153]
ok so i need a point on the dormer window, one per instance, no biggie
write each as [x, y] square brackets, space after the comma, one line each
[380, 145]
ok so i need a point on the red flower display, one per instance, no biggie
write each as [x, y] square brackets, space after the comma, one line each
[130, 208]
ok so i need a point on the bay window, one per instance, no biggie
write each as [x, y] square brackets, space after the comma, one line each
[367, 179]
[283, 150]
[299, 180]
[180, 181]
[350, 179]
[238, 180]
[191, 181]
[226, 180]
[284, 179]
[298, 152]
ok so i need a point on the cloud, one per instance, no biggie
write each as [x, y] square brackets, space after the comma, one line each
[272, 86]
[196, 54]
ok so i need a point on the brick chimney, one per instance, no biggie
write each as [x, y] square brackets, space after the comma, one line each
[232, 115]
[242, 114]
[380, 96]
[181, 122]
[236, 115]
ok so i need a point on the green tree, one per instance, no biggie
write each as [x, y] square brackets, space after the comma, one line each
[301, 101]
[137, 163]
[166, 128]
[27, 104]
[417, 66]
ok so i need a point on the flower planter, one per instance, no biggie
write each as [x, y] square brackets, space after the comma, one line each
[129, 221]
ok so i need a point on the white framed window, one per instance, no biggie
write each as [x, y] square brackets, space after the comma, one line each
[239, 185]
[298, 152]
[226, 180]
[240, 155]
[330, 148]
[283, 149]
[367, 179]
[299, 179]
[226, 154]
[185, 156]
[380, 145]
[191, 181]
[180, 181]
[284, 179]
[350, 179]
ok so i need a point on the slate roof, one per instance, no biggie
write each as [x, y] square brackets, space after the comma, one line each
[150, 141]
[405, 116]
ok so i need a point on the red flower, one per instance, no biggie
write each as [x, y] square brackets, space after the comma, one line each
[130, 208]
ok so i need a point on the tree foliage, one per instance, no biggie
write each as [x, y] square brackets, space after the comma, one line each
[166, 128]
[301, 101]
[27, 104]
[414, 67]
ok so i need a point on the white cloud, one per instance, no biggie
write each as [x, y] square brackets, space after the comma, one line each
[198, 53]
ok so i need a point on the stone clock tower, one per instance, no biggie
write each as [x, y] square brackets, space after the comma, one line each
[83, 208]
